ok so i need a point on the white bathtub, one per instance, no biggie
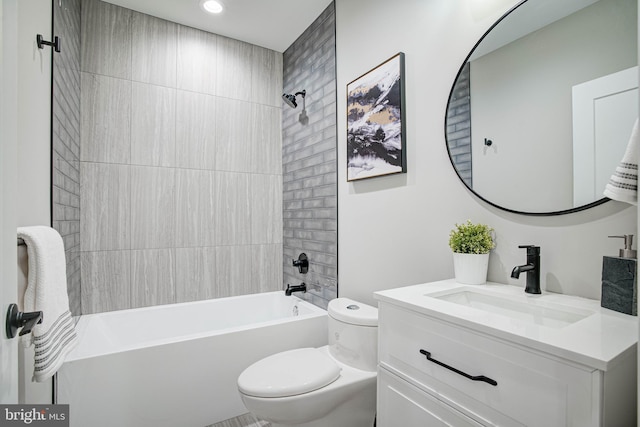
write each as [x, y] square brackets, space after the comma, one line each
[177, 365]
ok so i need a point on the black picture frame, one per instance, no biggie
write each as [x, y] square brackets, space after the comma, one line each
[376, 128]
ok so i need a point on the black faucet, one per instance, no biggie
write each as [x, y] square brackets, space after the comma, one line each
[532, 268]
[298, 288]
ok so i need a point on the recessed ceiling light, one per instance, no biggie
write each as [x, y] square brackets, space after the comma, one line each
[211, 6]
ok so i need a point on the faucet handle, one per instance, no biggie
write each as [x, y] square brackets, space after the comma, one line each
[302, 263]
[531, 249]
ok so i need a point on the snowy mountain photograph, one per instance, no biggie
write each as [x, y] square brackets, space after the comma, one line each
[375, 125]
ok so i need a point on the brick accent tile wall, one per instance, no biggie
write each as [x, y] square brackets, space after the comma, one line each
[459, 126]
[66, 142]
[309, 161]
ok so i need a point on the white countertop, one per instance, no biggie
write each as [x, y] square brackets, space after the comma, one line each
[597, 341]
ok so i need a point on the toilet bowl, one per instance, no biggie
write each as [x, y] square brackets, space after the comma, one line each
[330, 386]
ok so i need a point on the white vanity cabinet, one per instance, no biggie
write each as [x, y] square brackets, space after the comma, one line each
[437, 369]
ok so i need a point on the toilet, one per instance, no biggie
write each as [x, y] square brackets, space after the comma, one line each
[330, 386]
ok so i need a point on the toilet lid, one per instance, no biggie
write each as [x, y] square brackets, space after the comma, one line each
[288, 373]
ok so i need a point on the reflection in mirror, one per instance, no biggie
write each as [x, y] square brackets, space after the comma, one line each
[542, 109]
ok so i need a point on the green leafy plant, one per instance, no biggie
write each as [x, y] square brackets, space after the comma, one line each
[471, 238]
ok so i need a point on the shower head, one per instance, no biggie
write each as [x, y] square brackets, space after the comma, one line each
[290, 99]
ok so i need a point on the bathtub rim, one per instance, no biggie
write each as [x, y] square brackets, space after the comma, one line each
[82, 325]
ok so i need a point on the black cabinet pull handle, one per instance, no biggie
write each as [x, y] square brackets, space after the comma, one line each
[457, 371]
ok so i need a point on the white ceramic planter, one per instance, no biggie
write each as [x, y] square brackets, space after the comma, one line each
[471, 269]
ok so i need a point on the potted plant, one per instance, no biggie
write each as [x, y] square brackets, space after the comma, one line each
[471, 244]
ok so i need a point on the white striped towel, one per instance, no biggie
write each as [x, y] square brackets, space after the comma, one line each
[623, 184]
[46, 291]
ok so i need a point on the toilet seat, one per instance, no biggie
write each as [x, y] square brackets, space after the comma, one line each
[289, 373]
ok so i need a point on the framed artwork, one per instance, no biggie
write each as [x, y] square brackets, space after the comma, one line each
[375, 122]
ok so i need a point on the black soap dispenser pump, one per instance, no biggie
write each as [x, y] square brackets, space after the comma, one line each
[619, 282]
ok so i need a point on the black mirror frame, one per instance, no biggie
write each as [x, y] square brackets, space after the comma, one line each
[446, 137]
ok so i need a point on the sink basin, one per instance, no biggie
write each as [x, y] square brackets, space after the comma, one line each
[532, 310]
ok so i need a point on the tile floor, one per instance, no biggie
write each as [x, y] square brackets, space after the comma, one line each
[246, 420]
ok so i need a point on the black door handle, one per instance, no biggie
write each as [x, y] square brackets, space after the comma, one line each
[459, 372]
[17, 319]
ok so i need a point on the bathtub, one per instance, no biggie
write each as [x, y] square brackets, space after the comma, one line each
[177, 365]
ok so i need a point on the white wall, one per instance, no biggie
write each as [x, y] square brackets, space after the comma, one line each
[32, 196]
[34, 114]
[8, 156]
[393, 231]
[24, 156]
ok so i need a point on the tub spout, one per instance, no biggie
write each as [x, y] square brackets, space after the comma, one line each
[298, 288]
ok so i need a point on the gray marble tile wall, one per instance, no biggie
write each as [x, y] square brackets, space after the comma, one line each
[309, 161]
[66, 142]
[181, 164]
[459, 126]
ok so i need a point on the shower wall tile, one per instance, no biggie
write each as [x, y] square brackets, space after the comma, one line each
[265, 139]
[104, 217]
[153, 277]
[153, 50]
[195, 213]
[233, 271]
[105, 119]
[74, 282]
[106, 39]
[65, 144]
[197, 59]
[266, 208]
[195, 274]
[152, 207]
[233, 135]
[266, 76]
[233, 70]
[153, 125]
[182, 157]
[233, 219]
[66, 23]
[309, 161]
[106, 281]
[196, 124]
[266, 270]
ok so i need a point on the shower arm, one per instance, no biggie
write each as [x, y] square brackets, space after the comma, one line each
[290, 99]
[304, 99]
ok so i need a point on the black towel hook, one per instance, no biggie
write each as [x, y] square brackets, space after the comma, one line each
[55, 44]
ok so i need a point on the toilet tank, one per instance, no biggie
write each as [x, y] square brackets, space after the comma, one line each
[353, 333]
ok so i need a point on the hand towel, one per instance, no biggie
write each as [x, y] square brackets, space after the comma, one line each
[623, 184]
[46, 291]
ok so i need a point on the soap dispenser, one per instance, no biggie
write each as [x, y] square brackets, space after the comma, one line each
[619, 284]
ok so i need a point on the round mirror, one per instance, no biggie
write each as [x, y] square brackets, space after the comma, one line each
[542, 109]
